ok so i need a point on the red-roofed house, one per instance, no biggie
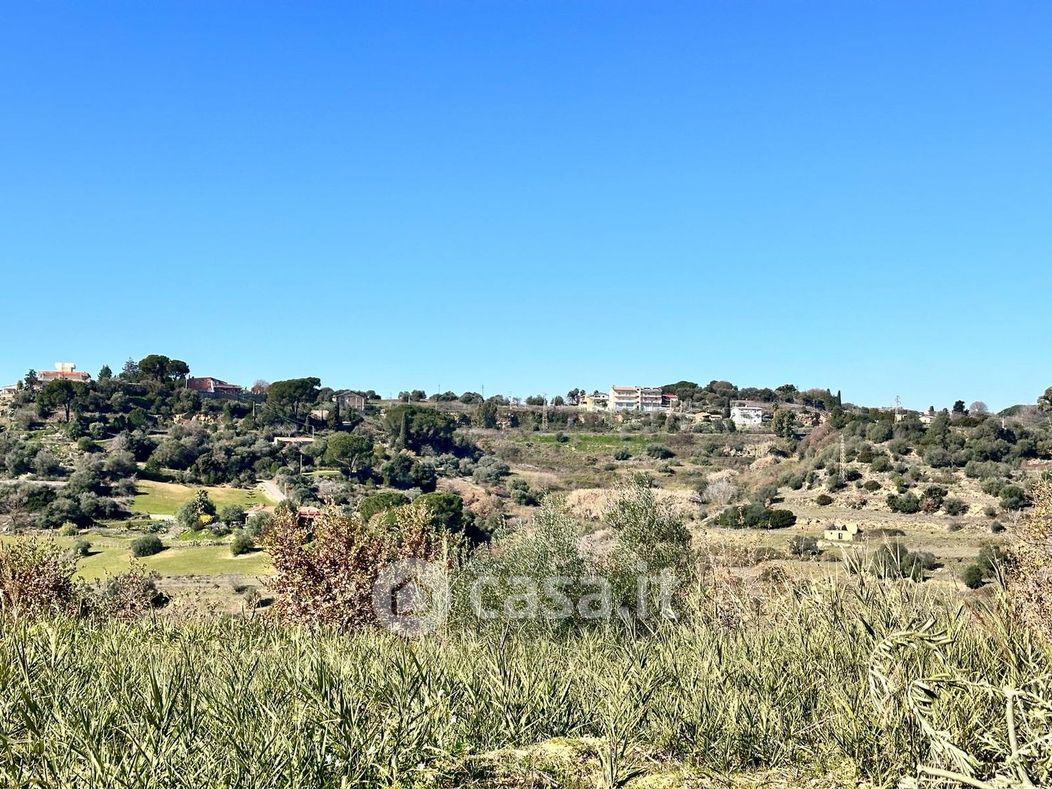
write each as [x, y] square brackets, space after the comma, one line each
[63, 370]
[210, 385]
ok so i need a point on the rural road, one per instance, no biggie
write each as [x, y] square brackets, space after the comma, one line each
[272, 491]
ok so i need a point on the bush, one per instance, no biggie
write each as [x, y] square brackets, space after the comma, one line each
[37, 578]
[81, 548]
[997, 527]
[871, 485]
[823, 500]
[622, 454]
[804, 545]
[490, 469]
[972, 576]
[128, 595]
[1014, 497]
[906, 503]
[241, 544]
[380, 502]
[147, 545]
[233, 514]
[660, 452]
[327, 577]
[880, 464]
[954, 506]
[896, 561]
[780, 519]
[197, 512]
[755, 516]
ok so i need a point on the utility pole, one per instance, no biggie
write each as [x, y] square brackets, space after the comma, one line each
[544, 413]
[843, 456]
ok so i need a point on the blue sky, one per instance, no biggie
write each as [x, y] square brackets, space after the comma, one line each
[533, 196]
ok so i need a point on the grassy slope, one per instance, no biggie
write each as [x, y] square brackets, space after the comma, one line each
[165, 498]
[111, 555]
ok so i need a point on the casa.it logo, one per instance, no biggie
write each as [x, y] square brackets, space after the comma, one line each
[411, 597]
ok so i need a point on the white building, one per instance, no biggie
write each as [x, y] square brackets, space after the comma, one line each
[635, 398]
[746, 416]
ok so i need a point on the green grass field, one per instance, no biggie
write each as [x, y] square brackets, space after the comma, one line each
[165, 498]
[111, 555]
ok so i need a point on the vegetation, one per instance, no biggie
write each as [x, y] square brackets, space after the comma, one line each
[147, 545]
[869, 684]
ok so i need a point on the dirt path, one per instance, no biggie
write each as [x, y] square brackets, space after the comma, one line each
[272, 491]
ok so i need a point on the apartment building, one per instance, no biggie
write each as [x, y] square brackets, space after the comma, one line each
[635, 398]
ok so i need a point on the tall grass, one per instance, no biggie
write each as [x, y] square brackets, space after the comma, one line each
[881, 678]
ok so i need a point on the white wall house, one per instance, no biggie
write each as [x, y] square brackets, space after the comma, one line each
[746, 416]
[635, 398]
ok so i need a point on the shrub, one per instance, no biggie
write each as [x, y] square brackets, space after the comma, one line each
[380, 502]
[906, 503]
[755, 516]
[896, 561]
[1029, 570]
[882, 532]
[325, 575]
[972, 576]
[871, 485]
[1014, 497]
[81, 548]
[993, 487]
[36, 578]
[823, 500]
[721, 492]
[954, 506]
[880, 464]
[233, 514]
[197, 512]
[147, 545]
[622, 454]
[241, 544]
[997, 527]
[490, 469]
[660, 452]
[804, 545]
[780, 519]
[128, 595]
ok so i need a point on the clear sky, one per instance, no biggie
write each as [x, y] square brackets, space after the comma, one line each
[533, 196]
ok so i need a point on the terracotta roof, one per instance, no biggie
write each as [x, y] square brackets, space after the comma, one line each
[71, 375]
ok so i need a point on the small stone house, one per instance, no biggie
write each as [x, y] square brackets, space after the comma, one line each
[848, 533]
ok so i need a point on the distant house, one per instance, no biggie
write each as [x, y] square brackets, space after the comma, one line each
[596, 401]
[63, 371]
[293, 440]
[348, 400]
[670, 401]
[745, 416]
[213, 386]
[635, 398]
[848, 533]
